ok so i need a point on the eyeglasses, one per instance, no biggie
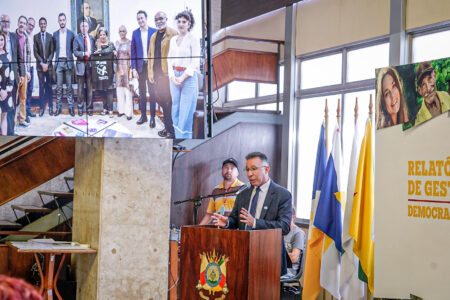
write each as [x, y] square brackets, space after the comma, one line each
[122, 31]
[254, 169]
[159, 19]
[6, 22]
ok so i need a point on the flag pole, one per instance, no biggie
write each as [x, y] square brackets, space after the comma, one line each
[338, 113]
[371, 108]
[356, 111]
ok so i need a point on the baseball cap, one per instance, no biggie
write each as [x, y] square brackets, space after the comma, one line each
[231, 161]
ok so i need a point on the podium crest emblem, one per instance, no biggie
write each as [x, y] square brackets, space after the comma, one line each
[213, 275]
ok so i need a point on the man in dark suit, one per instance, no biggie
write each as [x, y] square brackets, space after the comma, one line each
[140, 42]
[43, 52]
[83, 46]
[11, 48]
[63, 41]
[86, 17]
[266, 205]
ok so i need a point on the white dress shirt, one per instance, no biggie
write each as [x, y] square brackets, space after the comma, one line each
[144, 38]
[261, 198]
[62, 43]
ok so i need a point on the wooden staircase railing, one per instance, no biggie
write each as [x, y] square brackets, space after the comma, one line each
[34, 164]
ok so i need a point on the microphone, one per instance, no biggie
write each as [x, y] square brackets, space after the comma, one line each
[243, 188]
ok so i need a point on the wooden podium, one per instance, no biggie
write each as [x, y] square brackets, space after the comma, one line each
[229, 264]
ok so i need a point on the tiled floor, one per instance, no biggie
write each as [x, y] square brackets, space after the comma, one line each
[45, 125]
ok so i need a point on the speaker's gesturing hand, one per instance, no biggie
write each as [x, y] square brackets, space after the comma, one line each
[219, 220]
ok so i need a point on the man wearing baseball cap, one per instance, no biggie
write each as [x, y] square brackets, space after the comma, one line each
[224, 204]
[434, 102]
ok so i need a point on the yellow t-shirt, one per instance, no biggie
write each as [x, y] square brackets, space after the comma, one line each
[424, 114]
[227, 202]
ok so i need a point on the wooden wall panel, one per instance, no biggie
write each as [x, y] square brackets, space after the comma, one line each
[197, 172]
[33, 165]
[15, 264]
[233, 64]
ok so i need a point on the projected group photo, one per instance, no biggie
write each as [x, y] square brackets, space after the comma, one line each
[102, 68]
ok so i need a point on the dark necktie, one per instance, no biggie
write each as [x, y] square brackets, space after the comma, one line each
[43, 44]
[86, 48]
[254, 203]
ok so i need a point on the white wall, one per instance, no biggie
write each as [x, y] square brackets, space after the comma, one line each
[49, 9]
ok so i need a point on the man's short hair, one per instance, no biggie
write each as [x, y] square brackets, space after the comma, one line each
[142, 12]
[261, 156]
[23, 17]
[62, 14]
[84, 22]
[43, 19]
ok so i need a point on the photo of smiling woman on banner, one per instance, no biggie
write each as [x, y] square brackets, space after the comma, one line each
[391, 105]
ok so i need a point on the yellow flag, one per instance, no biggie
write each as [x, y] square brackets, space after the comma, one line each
[361, 223]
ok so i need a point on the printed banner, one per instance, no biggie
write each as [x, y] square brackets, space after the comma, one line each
[412, 94]
[412, 211]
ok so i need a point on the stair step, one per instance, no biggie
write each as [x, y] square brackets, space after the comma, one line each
[9, 224]
[56, 194]
[31, 208]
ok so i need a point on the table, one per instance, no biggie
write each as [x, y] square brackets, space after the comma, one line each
[50, 249]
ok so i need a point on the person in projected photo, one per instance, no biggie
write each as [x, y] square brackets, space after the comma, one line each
[183, 66]
[230, 184]
[83, 46]
[11, 50]
[434, 102]
[30, 28]
[104, 69]
[6, 86]
[157, 70]
[140, 43]
[86, 12]
[24, 60]
[123, 55]
[391, 105]
[63, 41]
[43, 52]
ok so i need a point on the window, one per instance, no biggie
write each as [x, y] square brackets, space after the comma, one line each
[361, 63]
[269, 106]
[431, 46]
[321, 79]
[267, 89]
[241, 90]
[321, 71]
[348, 127]
[311, 117]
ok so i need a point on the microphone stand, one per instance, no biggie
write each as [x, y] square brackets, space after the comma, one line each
[198, 201]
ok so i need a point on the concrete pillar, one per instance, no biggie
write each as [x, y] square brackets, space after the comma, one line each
[122, 209]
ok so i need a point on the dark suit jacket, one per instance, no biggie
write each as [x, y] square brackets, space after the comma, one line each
[69, 47]
[78, 51]
[39, 50]
[137, 50]
[14, 59]
[276, 211]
